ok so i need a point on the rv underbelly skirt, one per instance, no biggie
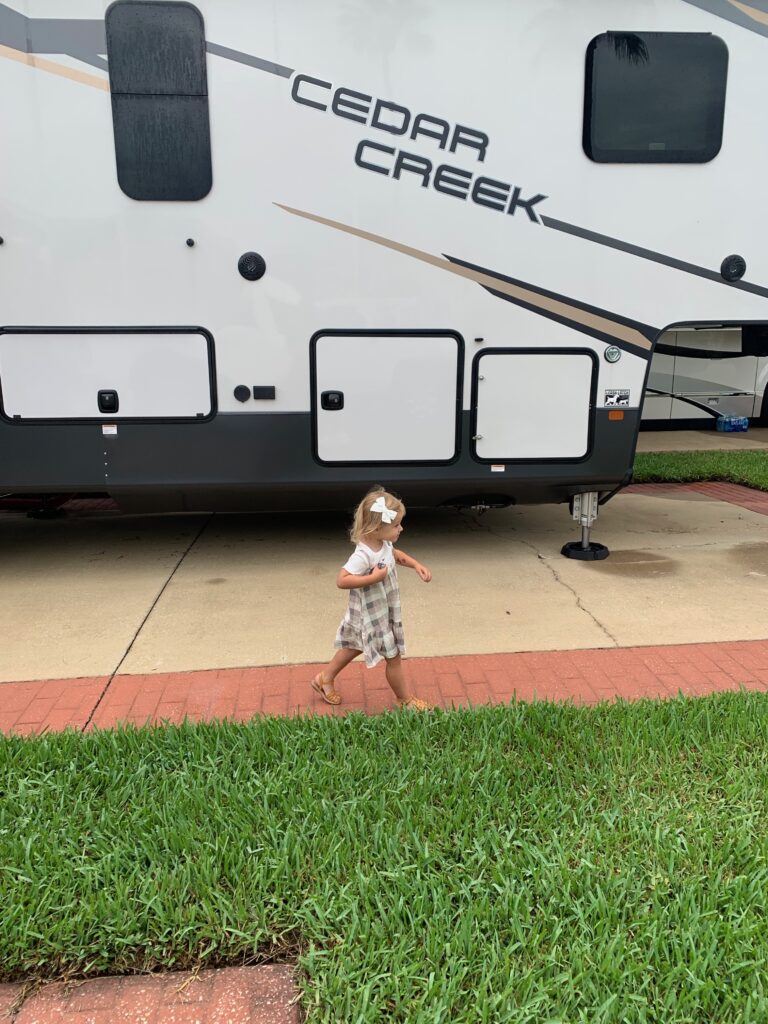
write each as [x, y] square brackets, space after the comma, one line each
[236, 462]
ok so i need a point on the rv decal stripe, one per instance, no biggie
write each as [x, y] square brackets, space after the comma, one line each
[55, 69]
[82, 38]
[85, 39]
[568, 321]
[252, 62]
[750, 12]
[649, 254]
[610, 326]
[748, 16]
[537, 300]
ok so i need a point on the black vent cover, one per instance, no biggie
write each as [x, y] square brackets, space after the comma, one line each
[733, 268]
[252, 266]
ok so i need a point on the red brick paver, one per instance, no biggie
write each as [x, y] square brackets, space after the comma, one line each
[734, 494]
[238, 694]
[10, 997]
[248, 995]
[747, 497]
[48, 705]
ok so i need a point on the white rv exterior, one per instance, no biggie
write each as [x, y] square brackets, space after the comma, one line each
[398, 242]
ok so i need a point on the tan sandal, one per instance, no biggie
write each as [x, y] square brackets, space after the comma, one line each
[415, 704]
[329, 696]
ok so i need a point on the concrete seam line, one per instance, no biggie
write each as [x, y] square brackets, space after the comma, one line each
[152, 607]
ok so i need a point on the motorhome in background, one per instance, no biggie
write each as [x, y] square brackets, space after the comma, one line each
[261, 254]
[698, 374]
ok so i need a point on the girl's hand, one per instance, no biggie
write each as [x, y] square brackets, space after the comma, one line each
[423, 571]
[378, 575]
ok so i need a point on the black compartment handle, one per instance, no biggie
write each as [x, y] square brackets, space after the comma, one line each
[108, 401]
[332, 400]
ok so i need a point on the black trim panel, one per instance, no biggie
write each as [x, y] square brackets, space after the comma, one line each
[261, 461]
[421, 333]
[537, 351]
[111, 418]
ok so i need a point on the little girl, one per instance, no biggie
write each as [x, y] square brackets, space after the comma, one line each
[371, 625]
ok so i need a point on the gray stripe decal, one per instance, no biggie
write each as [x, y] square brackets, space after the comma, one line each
[246, 58]
[649, 254]
[85, 40]
[723, 9]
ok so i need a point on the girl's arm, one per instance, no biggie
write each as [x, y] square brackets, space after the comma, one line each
[410, 563]
[346, 581]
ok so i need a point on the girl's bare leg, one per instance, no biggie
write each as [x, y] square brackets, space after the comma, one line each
[396, 678]
[340, 660]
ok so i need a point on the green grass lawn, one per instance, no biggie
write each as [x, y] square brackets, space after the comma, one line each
[531, 863]
[739, 467]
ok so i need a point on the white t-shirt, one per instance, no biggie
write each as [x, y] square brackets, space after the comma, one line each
[363, 559]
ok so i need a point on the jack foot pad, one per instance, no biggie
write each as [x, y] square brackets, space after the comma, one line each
[594, 553]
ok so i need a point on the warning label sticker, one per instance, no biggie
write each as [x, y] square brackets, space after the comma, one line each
[616, 397]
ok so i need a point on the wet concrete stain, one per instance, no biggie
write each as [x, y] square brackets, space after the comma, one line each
[636, 564]
[751, 556]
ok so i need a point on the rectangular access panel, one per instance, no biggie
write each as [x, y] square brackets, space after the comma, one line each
[159, 88]
[533, 404]
[386, 396]
[106, 373]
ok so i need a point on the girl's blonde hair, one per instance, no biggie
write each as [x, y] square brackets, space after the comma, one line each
[365, 521]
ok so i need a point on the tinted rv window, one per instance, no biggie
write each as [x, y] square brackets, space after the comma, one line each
[156, 53]
[654, 97]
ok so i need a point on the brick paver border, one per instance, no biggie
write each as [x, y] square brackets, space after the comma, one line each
[249, 995]
[239, 694]
[734, 494]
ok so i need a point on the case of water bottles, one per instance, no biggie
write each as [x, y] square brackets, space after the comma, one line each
[731, 424]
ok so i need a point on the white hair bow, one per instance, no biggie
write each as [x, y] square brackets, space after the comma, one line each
[388, 515]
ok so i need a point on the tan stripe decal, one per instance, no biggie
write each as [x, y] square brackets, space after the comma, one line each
[555, 306]
[751, 12]
[41, 64]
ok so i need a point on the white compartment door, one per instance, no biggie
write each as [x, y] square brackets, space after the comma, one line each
[386, 397]
[59, 374]
[533, 404]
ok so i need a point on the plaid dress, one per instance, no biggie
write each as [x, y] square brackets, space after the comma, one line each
[372, 623]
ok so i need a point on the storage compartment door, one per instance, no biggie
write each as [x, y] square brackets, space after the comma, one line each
[83, 374]
[384, 397]
[534, 405]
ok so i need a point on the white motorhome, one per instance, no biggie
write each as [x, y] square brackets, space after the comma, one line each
[699, 374]
[260, 254]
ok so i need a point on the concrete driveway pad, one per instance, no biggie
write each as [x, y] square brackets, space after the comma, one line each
[75, 591]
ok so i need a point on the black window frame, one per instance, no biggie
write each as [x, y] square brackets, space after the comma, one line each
[600, 154]
[153, 163]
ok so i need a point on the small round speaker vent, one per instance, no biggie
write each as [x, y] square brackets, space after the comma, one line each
[251, 266]
[242, 393]
[733, 268]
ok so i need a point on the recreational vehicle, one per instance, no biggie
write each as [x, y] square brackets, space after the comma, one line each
[706, 372]
[261, 254]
